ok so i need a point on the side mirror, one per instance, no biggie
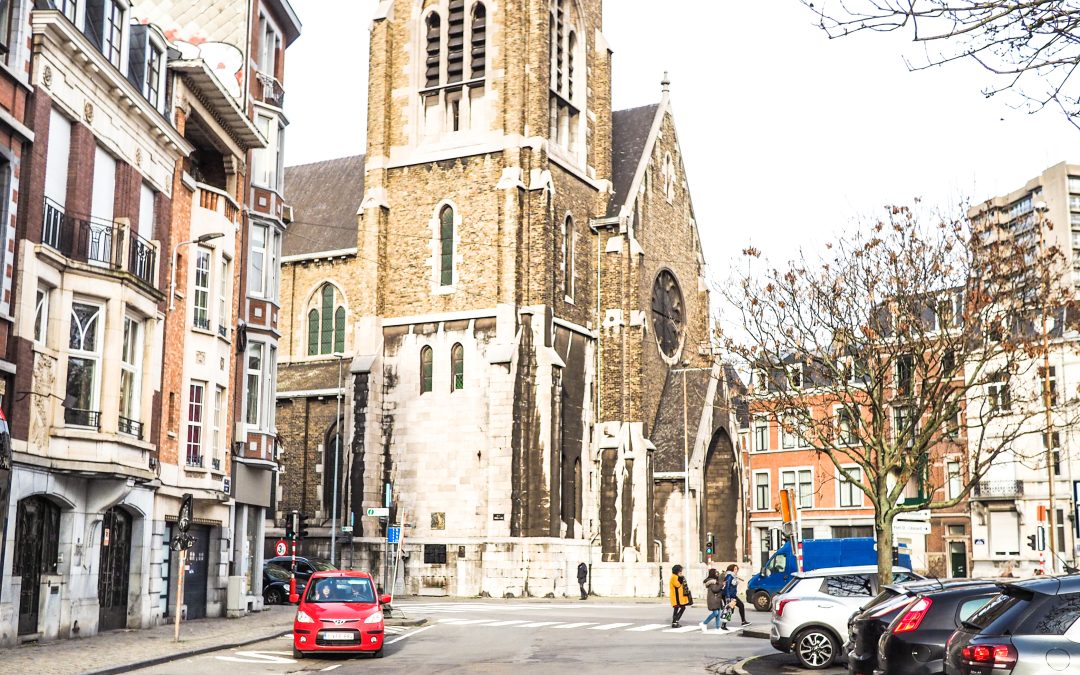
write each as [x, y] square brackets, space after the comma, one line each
[294, 598]
[384, 599]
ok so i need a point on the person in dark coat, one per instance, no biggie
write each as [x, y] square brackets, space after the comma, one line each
[680, 595]
[714, 598]
[582, 576]
[731, 595]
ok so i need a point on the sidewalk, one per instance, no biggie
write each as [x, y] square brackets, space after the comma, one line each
[116, 650]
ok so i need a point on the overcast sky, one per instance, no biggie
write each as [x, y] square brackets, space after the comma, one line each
[786, 135]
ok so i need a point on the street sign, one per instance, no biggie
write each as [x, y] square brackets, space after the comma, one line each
[379, 512]
[281, 548]
[346, 529]
[393, 535]
[910, 527]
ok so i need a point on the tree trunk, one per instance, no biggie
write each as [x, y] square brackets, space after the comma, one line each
[883, 528]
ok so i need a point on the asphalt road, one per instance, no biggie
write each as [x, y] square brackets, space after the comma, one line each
[511, 637]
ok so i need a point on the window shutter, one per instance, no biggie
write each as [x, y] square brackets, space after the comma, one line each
[478, 56]
[455, 41]
[434, 48]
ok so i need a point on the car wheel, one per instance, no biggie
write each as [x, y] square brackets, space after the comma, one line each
[761, 601]
[275, 596]
[297, 654]
[815, 648]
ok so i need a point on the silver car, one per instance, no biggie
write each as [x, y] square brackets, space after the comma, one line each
[1031, 628]
[810, 615]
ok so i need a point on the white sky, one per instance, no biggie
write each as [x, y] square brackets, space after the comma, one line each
[786, 135]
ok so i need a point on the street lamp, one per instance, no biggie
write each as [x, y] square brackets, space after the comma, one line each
[339, 436]
[201, 239]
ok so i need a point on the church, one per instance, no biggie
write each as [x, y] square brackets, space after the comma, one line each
[496, 321]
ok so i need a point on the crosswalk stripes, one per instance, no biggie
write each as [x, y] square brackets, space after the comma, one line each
[576, 625]
[584, 625]
[539, 624]
[611, 626]
[683, 629]
[507, 623]
[648, 626]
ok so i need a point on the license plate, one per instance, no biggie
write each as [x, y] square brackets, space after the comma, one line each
[335, 635]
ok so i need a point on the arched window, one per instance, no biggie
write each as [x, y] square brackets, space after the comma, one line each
[478, 35]
[455, 41]
[571, 267]
[426, 370]
[457, 368]
[326, 322]
[433, 61]
[446, 246]
[564, 104]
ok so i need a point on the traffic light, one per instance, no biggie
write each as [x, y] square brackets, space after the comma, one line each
[290, 526]
[1032, 542]
[709, 543]
[302, 531]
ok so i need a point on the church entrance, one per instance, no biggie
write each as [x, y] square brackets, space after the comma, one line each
[721, 504]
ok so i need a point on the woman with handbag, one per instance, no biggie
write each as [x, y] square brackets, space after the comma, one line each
[714, 592]
[731, 598]
[680, 595]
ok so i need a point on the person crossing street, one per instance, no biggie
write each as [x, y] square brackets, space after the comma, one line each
[731, 598]
[679, 594]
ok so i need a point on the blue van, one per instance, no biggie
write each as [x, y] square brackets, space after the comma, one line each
[817, 553]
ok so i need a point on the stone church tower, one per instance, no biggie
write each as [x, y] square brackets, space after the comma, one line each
[522, 313]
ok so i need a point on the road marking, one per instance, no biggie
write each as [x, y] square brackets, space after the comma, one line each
[611, 626]
[418, 630]
[464, 622]
[507, 623]
[649, 626]
[684, 629]
[539, 624]
[258, 657]
[336, 665]
[576, 625]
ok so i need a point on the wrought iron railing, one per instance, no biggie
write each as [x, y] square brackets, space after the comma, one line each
[82, 418]
[87, 240]
[999, 489]
[272, 93]
[142, 259]
[130, 427]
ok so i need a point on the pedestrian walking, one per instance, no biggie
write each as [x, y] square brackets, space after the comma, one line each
[582, 576]
[731, 597]
[680, 595]
[714, 598]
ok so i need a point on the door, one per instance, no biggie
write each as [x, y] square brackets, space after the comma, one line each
[114, 570]
[958, 567]
[197, 573]
[37, 542]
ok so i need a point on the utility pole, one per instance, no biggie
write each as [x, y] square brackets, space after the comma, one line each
[1048, 438]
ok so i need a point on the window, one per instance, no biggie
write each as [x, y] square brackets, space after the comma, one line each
[795, 375]
[131, 360]
[266, 162]
[84, 365]
[454, 66]
[569, 244]
[761, 491]
[945, 314]
[433, 50]
[434, 554]
[760, 381]
[761, 434]
[846, 368]
[478, 57]
[269, 46]
[201, 305]
[221, 410]
[851, 495]
[41, 316]
[457, 368]
[104, 27]
[848, 586]
[954, 484]
[904, 428]
[566, 82]
[1059, 526]
[1004, 533]
[265, 253]
[332, 468]
[446, 246]
[789, 432]
[905, 375]
[852, 531]
[668, 174]
[426, 370]
[196, 391]
[258, 258]
[326, 322]
[5, 25]
[1048, 383]
[1056, 617]
[800, 480]
[1055, 442]
[254, 383]
[224, 315]
[846, 428]
[998, 394]
[146, 59]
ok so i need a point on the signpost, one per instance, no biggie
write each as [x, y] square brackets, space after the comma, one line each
[281, 548]
[393, 534]
[379, 512]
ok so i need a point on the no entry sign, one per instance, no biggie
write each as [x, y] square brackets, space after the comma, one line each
[281, 548]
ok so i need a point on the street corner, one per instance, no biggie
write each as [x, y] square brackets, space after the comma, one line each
[781, 664]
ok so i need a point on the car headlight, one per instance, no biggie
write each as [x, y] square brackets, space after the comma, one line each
[302, 617]
[375, 617]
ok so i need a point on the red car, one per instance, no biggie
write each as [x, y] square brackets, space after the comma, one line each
[339, 613]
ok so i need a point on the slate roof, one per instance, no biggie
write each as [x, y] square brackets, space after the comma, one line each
[667, 433]
[325, 197]
[629, 132]
[309, 376]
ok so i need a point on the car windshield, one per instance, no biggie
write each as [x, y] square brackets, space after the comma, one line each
[276, 573]
[341, 589]
[778, 563]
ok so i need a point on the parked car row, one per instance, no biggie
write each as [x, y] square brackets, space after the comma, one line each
[918, 626]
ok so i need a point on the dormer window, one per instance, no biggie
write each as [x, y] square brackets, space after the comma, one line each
[455, 63]
[566, 80]
[104, 26]
[146, 65]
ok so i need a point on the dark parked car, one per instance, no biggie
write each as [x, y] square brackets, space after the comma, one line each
[305, 567]
[1031, 628]
[276, 585]
[914, 642]
[867, 625]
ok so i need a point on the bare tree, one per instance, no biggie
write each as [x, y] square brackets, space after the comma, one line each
[899, 344]
[1030, 46]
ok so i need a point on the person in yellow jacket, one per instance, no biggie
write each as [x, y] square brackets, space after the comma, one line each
[679, 593]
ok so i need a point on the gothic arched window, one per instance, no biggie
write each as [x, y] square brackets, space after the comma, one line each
[566, 88]
[457, 368]
[433, 61]
[326, 322]
[446, 246]
[426, 370]
[455, 63]
[478, 36]
[333, 456]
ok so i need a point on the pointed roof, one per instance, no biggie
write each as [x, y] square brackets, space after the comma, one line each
[325, 197]
[630, 132]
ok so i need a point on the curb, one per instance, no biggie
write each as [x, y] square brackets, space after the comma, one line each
[410, 623]
[740, 667]
[756, 634]
[157, 661]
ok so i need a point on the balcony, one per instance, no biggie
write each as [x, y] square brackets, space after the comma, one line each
[130, 427]
[213, 199]
[82, 418]
[270, 91]
[99, 243]
[998, 489]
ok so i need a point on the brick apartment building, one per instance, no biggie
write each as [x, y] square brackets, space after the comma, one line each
[519, 313]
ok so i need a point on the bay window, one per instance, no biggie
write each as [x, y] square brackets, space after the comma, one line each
[267, 162]
[254, 383]
[265, 253]
[131, 358]
[201, 317]
[83, 366]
